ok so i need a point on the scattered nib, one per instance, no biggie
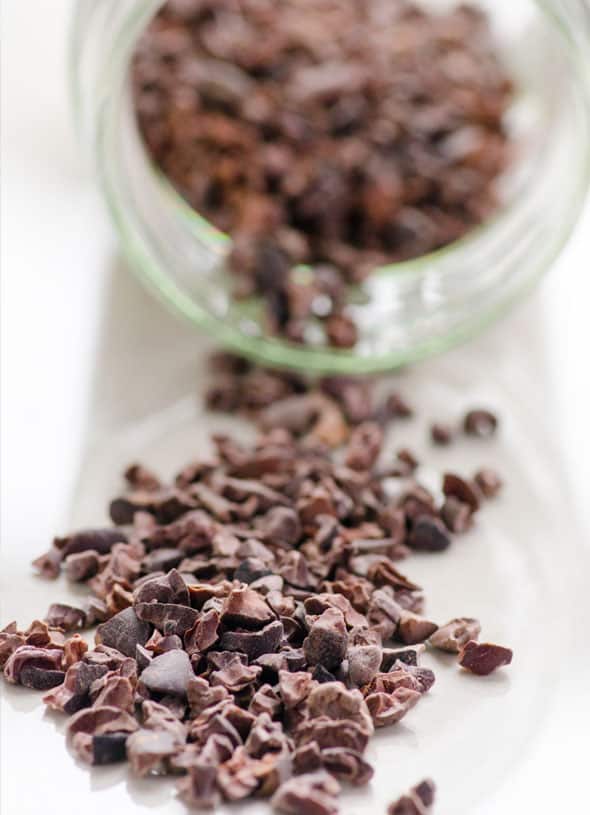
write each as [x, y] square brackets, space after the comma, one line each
[457, 515]
[388, 707]
[488, 481]
[398, 407]
[66, 617]
[85, 725]
[124, 632]
[364, 661]
[100, 541]
[149, 750]
[40, 678]
[408, 459]
[140, 478]
[413, 629]
[456, 634]
[481, 423]
[428, 534]
[81, 565]
[308, 794]
[327, 640]
[441, 434]
[49, 564]
[456, 487]
[168, 673]
[408, 656]
[482, 658]
[418, 801]
[198, 789]
[27, 657]
[109, 748]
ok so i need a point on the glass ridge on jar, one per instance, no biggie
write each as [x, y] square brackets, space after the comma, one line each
[404, 311]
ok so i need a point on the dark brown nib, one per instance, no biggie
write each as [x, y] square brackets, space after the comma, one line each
[418, 801]
[488, 482]
[441, 434]
[480, 423]
[482, 658]
[322, 158]
[455, 635]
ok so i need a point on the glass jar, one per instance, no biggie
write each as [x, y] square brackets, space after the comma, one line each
[406, 310]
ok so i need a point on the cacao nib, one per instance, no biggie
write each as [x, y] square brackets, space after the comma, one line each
[428, 535]
[488, 481]
[124, 632]
[456, 487]
[455, 634]
[482, 658]
[480, 423]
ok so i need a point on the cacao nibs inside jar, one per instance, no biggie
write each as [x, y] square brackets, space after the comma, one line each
[341, 136]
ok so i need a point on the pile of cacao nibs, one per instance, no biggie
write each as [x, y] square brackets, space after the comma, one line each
[332, 135]
[254, 627]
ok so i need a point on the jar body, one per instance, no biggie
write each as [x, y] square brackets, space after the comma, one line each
[406, 310]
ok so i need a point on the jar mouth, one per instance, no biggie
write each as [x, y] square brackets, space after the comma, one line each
[418, 307]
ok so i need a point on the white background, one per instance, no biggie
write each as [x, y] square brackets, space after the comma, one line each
[58, 259]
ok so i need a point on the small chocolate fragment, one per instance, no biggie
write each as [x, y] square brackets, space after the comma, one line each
[169, 618]
[418, 801]
[66, 617]
[149, 750]
[408, 656]
[456, 487]
[198, 789]
[170, 588]
[482, 658]
[364, 661]
[428, 534]
[82, 565]
[245, 607]
[49, 564]
[168, 673]
[327, 640]
[457, 515]
[413, 629]
[480, 423]
[141, 478]
[250, 570]
[364, 446]
[281, 525]
[28, 656]
[397, 406]
[109, 748]
[124, 632]
[454, 635]
[488, 481]
[97, 540]
[40, 678]
[441, 434]
[309, 794]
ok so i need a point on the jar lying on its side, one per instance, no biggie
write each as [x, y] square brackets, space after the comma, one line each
[404, 311]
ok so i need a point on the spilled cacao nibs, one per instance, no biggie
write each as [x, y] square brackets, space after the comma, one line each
[254, 626]
[323, 156]
[418, 801]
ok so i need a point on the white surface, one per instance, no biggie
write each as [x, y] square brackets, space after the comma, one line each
[83, 349]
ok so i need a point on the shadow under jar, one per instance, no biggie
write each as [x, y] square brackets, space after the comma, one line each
[405, 310]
